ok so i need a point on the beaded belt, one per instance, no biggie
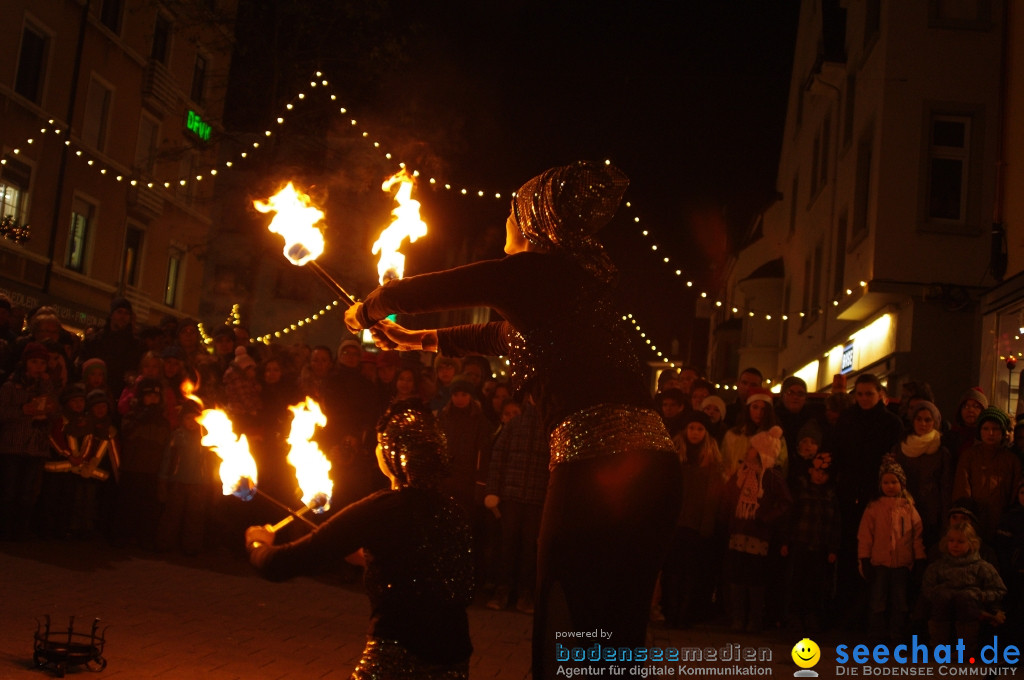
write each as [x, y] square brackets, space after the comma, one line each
[389, 659]
[605, 429]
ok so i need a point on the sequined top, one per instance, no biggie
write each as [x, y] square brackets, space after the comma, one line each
[565, 343]
[419, 570]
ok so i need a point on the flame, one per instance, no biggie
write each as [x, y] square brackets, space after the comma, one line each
[296, 221]
[406, 223]
[311, 465]
[237, 466]
[188, 389]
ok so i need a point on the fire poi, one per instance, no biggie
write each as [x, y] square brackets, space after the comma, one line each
[406, 224]
[296, 219]
[312, 469]
[238, 473]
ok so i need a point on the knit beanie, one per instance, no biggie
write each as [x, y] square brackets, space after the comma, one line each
[715, 401]
[72, 391]
[695, 417]
[925, 404]
[891, 467]
[94, 364]
[996, 415]
[35, 350]
[793, 380]
[810, 430]
[461, 384]
[976, 394]
[96, 397]
[242, 358]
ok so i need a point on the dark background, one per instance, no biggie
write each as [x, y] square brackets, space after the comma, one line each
[688, 98]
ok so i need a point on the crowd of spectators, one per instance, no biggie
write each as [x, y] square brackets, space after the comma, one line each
[844, 498]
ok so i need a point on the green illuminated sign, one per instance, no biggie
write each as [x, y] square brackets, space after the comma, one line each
[196, 125]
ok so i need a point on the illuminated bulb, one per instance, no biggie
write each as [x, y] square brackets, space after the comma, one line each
[133, 182]
[30, 141]
[463, 192]
[228, 164]
[497, 195]
[718, 303]
[768, 317]
[89, 162]
[267, 132]
[289, 107]
[849, 292]
[735, 310]
[243, 154]
[637, 219]
[213, 171]
[255, 145]
[703, 295]
[785, 317]
[665, 260]
[433, 181]
[480, 194]
[835, 303]
[342, 110]
[388, 156]
[366, 134]
[103, 171]
[863, 283]
[645, 232]
[302, 95]
[654, 247]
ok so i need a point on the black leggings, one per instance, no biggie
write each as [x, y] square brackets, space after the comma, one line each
[605, 529]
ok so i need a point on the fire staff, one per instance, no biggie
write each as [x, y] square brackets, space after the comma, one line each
[614, 489]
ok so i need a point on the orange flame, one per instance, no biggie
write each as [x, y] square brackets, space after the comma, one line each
[237, 464]
[296, 221]
[188, 389]
[311, 465]
[406, 223]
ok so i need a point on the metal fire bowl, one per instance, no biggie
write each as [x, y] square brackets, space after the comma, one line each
[61, 649]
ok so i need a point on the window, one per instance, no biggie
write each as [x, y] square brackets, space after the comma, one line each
[948, 155]
[145, 146]
[819, 168]
[173, 277]
[839, 280]
[161, 39]
[198, 79]
[960, 14]
[35, 46]
[110, 14]
[97, 114]
[793, 204]
[132, 252]
[14, 185]
[862, 192]
[849, 109]
[83, 214]
[872, 21]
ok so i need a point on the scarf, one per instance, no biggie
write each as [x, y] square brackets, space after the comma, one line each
[916, 445]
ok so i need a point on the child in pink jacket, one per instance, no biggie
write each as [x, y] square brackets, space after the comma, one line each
[889, 542]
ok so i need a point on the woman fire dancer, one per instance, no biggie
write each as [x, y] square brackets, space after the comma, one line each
[614, 489]
[416, 546]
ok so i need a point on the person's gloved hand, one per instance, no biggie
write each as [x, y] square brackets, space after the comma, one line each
[256, 536]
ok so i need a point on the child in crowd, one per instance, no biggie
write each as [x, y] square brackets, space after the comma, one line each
[66, 439]
[688, 575]
[962, 589]
[812, 542]
[185, 481]
[988, 472]
[145, 433]
[99, 456]
[889, 542]
[754, 500]
[714, 408]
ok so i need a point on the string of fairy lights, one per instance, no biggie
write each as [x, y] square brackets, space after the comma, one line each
[321, 84]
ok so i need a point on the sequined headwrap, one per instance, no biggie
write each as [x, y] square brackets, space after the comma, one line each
[562, 208]
[413, 445]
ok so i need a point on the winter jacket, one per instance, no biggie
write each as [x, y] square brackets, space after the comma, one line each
[890, 533]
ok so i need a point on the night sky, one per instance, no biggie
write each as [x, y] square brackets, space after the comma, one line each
[687, 97]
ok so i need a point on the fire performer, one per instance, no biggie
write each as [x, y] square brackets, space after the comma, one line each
[415, 541]
[614, 490]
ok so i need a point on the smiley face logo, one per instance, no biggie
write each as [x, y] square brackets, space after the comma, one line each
[806, 653]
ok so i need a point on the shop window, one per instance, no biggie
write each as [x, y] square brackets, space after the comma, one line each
[35, 48]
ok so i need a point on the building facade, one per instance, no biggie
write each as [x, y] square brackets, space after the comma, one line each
[109, 134]
[880, 247]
